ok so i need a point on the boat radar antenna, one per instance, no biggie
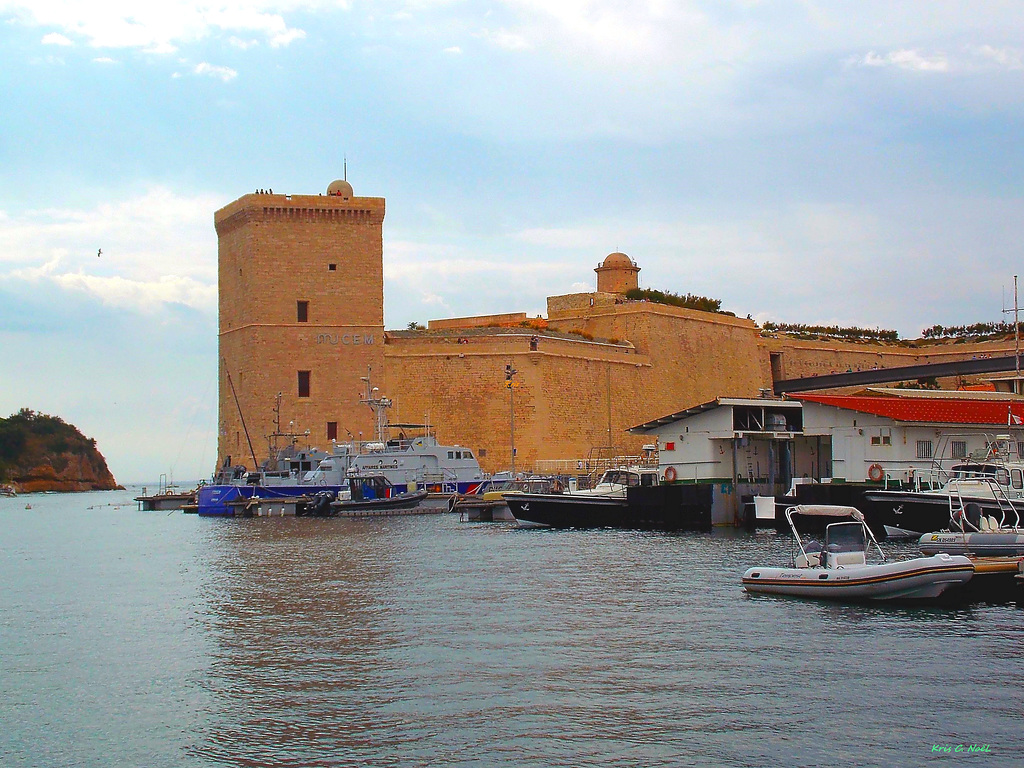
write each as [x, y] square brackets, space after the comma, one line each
[379, 405]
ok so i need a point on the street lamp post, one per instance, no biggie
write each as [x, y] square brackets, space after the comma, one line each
[510, 372]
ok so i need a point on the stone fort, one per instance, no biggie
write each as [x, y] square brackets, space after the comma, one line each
[301, 330]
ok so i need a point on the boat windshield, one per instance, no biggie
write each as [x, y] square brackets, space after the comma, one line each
[974, 471]
[845, 537]
[620, 477]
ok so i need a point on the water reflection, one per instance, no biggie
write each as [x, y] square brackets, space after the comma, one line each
[300, 638]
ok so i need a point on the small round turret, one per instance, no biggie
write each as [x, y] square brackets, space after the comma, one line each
[340, 188]
[617, 274]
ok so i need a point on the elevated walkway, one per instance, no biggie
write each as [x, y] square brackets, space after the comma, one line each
[905, 373]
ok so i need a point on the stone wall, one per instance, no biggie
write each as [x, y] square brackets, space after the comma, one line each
[274, 252]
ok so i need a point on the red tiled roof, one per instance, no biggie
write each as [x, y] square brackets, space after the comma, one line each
[922, 409]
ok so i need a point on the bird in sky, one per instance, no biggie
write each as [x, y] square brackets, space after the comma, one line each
[99, 253]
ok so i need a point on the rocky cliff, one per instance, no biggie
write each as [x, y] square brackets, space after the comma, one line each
[43, 453]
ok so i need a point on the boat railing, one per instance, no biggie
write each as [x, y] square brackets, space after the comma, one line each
[1009, 515]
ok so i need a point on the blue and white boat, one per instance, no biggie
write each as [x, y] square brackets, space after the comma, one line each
[408, 464]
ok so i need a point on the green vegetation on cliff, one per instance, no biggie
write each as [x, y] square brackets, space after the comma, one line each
[45, 452]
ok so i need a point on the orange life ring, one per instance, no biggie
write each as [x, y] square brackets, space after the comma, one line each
[670, 474]
[875, 473]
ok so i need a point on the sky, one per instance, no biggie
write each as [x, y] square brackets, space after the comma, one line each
[850, 162]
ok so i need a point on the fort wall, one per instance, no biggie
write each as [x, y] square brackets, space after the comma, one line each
[301, 317]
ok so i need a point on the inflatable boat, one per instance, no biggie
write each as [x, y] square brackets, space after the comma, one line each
[839, 568]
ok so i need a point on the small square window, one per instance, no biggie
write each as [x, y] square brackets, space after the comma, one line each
[958, 449]
[924, 449]
[332, 267]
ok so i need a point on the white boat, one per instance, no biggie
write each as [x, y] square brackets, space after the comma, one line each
[978, 535]
[988, 484]
[839, 569]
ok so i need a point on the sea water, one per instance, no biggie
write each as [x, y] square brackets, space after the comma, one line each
[132, 638]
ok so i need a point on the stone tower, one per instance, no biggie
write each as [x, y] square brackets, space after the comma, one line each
[617, 274]
[301, 300]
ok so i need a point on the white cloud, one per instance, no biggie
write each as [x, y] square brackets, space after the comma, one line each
[453, 50]
[161, 28]
[241, 44]
[903, 59]
[226, 74]
[159, 248]
[1005, 58]
[509, 41]
[104, 60]
[55, 38]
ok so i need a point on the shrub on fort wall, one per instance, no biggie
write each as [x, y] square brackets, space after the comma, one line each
[689, 301]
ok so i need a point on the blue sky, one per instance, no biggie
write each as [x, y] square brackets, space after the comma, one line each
[844, 162]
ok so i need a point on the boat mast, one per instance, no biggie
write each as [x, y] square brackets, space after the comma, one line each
[379, 406]
[1016, 337]
[241, 418]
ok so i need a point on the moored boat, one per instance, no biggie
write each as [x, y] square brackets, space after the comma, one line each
[988, 485]
[490, 504]
[625, 497]
[375, 493]
[977, 535]
[839, 569]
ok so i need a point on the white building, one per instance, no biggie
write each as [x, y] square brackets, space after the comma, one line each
[760, 446]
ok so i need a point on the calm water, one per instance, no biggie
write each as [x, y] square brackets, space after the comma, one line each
[151, 639]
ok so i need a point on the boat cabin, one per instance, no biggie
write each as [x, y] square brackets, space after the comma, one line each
[630, 478]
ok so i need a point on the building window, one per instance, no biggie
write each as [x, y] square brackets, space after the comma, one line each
[924, 449]
[958, 449]
[332, 430]
[303, 383]
[332, 267]
[302, 311]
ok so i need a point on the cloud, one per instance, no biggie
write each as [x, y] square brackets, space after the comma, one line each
[55, 38]
[1005, 58]
[244, 45]
[160, 28]
[509, 41]
[226, 74]
[104, 60]
[159, 249]
[904, 59]
[453, 50]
